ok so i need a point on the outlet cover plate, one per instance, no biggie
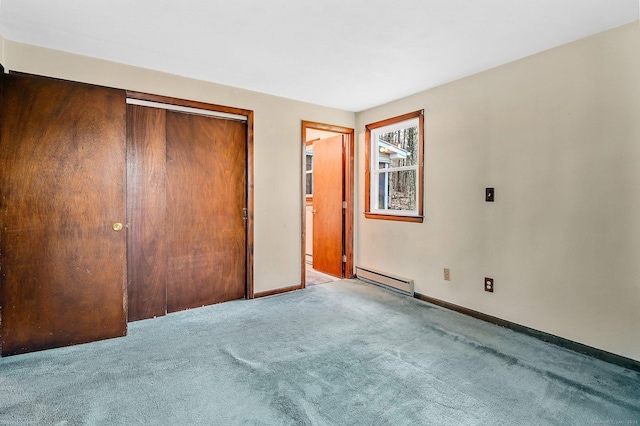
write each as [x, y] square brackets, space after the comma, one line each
[488, 285]
[447, 274]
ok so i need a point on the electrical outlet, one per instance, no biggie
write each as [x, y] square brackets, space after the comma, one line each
[488, 285]
[447, 274]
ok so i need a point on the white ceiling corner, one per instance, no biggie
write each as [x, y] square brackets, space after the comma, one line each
[347, 54]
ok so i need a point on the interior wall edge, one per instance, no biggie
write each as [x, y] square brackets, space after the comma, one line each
[2, 59]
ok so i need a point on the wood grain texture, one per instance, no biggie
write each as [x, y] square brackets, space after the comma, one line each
[348, 160]
[187, 103]
[206, 232]
[397, 218]
[146, 205]
[250, 292]
[327, 203]
[249, 165]
[277, 291]
[62, 187]
[421, 184]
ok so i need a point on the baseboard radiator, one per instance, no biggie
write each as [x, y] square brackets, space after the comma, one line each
[403, 285]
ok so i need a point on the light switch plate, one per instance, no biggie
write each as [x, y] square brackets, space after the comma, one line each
[489, 194]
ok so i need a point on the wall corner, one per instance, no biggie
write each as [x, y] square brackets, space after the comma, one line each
[3, 62]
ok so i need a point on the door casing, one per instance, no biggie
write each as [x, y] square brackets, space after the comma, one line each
[348, 191]
[250, 294]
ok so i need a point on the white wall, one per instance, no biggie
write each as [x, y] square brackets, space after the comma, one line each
[277, 150]
[2, 50]
[558, 135]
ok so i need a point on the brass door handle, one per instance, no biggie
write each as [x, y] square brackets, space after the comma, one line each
[314, 212]
[117, 226]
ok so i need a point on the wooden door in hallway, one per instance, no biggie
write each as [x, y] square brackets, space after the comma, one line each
[328, 184]
[62, 198]
[187, 187]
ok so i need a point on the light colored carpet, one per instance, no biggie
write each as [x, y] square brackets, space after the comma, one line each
[342, 353]
[314, 277]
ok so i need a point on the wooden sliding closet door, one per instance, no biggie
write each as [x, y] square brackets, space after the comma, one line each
[187, 192]
[146, 204]
[206, 232]
[62, 190]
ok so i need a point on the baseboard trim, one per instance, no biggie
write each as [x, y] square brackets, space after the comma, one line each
[277, 291]
[550, 338]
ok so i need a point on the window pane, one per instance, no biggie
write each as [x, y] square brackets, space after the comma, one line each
[399, 148]
[309, 184]
[397, 190]
[309, 161]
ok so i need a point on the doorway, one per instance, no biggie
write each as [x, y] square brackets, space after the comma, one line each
[327, 208]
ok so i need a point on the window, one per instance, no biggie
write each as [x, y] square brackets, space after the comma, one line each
[394, 169]
[309, 170]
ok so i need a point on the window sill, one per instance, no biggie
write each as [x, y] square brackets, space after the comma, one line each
[382, 216]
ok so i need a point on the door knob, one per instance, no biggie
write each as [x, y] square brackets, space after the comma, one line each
[117, 226]
[314, 212]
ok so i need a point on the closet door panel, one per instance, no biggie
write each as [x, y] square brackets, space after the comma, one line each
[146, 204]
[205, 229]
[62, 189]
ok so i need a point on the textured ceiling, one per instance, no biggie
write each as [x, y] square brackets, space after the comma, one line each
[348, 54]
